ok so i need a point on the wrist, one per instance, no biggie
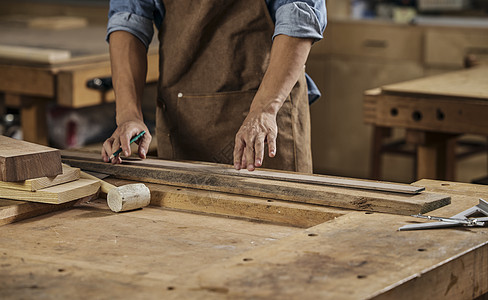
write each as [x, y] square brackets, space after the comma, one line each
[267, 105]
[124, 118]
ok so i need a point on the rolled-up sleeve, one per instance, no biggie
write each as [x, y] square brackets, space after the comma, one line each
[303, 19]
[135, 17]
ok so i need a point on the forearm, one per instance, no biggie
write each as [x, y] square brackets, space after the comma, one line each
[129, 66]
[288, 57]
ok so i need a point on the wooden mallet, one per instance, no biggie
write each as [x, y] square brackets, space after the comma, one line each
[123, 198]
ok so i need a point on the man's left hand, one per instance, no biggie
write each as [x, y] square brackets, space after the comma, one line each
[258, 128]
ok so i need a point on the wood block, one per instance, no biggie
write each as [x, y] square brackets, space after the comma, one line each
[69, 174]
[203, 176]
[20, 160]
[56, 194]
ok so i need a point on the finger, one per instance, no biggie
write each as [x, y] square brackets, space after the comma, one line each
[115, 147]
[249, 155]
[238, 152]
[259, 150]
[243, 160]
[106, 148]
[271, 144]
[117, 160]
[144, 145]
[125, 143]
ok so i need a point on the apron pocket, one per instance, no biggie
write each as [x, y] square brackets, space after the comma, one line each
[207, 124]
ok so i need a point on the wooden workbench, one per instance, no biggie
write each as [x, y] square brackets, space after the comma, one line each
[435, 111]
[31, 81]
[219, 245]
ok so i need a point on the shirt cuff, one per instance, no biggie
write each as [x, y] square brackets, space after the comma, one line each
[297, 20]
[140, 27]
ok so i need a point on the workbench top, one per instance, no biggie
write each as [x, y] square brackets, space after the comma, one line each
[154, 253]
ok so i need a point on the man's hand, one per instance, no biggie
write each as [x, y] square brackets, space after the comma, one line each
[121, 138]
[288, 56]
[258, 127]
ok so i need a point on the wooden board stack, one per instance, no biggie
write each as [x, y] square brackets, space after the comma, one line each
[34, 173]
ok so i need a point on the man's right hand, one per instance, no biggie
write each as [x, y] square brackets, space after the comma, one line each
[121, 138]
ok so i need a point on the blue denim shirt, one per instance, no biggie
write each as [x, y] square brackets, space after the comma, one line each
[303, 19]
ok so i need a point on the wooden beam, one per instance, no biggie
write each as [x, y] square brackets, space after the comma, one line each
[21, 160]
[204, 176]
[13, 211]
[27, 81]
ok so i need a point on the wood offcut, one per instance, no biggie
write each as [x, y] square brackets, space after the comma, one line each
[20, 160]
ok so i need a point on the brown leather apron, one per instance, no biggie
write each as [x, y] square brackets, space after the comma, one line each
[213, 56]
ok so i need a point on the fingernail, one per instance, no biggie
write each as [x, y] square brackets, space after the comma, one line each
[237, 166]
[258, 162]
[143, 153]
[250, 167]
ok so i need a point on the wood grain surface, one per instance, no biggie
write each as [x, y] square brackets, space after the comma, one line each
[469, 83]
[154, 253]
[20, 160]
[56, 194]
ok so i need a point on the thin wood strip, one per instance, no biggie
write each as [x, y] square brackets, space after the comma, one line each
[396, 203]
[268, 174]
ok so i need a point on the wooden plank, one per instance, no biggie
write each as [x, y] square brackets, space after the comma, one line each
[268, 174]
[469, 83]
[33, 54]
[57, 22]
[21, 160]
[264, 188]
[69, 174]
[56, 194]
[13, 211]
[230, 205]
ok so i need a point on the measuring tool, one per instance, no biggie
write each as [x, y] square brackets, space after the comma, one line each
[464, 218]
